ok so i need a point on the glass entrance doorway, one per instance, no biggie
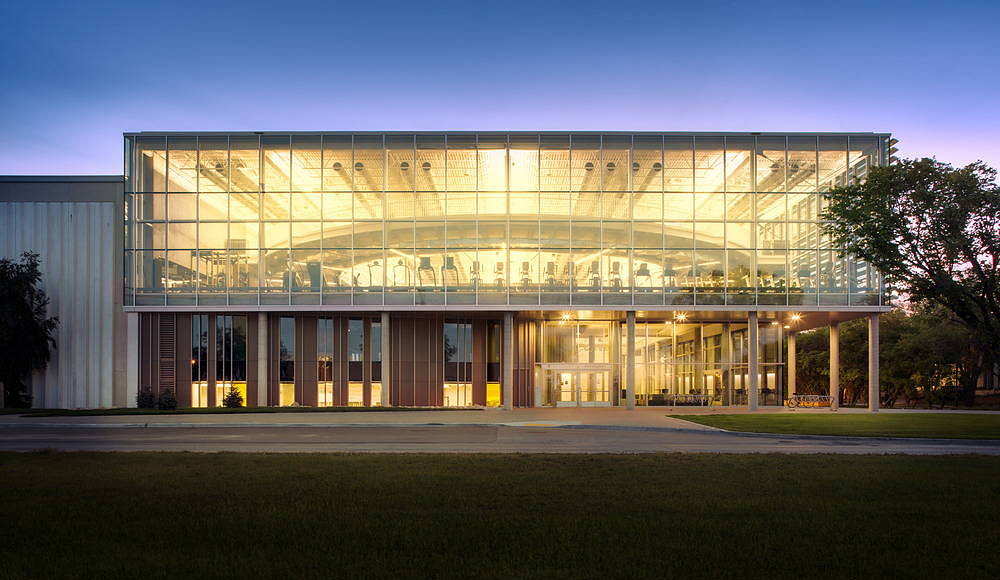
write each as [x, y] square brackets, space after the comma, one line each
[577, 385]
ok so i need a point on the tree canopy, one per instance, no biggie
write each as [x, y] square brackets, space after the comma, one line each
[933, 231]
[26, 331]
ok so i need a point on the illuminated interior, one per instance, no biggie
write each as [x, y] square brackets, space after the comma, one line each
[491, 219]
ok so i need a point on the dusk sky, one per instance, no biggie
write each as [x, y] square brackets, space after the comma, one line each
[76, 75]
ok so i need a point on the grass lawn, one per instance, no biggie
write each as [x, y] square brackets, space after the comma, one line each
[219, 411]
[933, 425]
[159, 515]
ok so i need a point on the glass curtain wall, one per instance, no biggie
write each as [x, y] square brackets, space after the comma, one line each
[692, 363]
[491, 218]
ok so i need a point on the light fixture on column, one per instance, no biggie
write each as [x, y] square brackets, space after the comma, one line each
[680, 316]
[795, 317]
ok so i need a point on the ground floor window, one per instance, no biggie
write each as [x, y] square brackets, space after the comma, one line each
[199, 360]
[230, 357]
[457, 394]
[286, 361]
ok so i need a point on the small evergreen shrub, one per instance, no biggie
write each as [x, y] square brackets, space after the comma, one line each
[145, 399]
[167, 400]
[233, 399]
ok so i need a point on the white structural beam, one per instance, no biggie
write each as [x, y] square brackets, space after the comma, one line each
[834, 366]
[753, 394]
[873, 394]
[792, 352]
[508, 361]
[386, 360]
[630, 359]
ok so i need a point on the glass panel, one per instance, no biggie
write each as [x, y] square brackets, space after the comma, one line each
[338, 163]
[307, 163]
[244, 161]
[277, 159]
[182, 160]
[554, 163]
[585, 160]
[647, 163]
[462, 163]
[615, 159]
[400, 163]
[801, 174]
[430, 163]
[709, 164]
[739, 164]
[771, 164]
[832, 162]
[369, 161]
[492, 162]
[524, 162]
[286, 361]
[149, 170]
[213, 164]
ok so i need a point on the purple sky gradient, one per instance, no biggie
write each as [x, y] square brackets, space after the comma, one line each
[78, 74]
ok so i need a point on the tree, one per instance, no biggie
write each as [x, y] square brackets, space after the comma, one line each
[933, 231]
[27, 335]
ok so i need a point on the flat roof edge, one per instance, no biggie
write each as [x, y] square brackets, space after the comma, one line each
[498, 132]
[61, 178]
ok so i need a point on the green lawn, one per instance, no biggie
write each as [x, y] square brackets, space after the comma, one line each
[933, 425]
[219, 411]
[182, 515]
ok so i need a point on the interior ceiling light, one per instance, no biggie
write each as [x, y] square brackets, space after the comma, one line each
[680, 316]
[796, 317]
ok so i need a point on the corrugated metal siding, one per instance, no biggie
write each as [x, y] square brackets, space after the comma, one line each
[77, 247]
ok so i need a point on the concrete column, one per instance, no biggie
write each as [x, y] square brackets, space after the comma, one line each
[508, 361]
[873, 401]
[630, 359]
[834, 366]
[790, 388]
[131, 358]
[753, 394]
[386, 360]
[262, 350]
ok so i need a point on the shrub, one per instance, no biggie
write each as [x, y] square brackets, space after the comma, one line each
[167, 400]
[233, 398]
[145, 399]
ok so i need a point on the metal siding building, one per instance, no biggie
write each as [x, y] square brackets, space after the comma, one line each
[74, 223]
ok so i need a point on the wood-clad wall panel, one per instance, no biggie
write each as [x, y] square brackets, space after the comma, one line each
[525, 346]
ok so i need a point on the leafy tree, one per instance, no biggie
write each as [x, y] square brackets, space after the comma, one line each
[933, 231]
[27, 335]
[924, 355]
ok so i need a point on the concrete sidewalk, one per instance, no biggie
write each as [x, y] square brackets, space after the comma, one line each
[655, 418]
[643, 417]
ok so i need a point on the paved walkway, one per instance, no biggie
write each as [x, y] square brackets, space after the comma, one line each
[489, 431]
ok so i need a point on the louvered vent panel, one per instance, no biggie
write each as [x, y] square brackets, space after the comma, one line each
[168, 343]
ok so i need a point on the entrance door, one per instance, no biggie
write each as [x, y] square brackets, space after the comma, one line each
[592, 388]
[578, 388]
